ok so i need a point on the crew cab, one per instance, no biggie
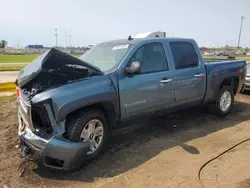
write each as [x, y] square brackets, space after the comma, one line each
[68, 106]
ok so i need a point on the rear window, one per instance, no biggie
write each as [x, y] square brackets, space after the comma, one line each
[184, 55]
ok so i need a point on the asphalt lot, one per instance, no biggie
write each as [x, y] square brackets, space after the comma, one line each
[167, 152]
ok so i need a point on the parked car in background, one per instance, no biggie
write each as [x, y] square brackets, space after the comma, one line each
[209, 53]
[68, 107]
[228, 54]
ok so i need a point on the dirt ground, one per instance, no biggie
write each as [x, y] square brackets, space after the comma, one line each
[167, 152]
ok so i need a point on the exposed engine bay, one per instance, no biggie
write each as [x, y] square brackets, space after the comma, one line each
[54, 77]
[52, 69]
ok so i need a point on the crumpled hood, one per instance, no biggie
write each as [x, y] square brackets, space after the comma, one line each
[52, 59]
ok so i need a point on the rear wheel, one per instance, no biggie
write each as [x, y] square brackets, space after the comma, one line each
[89, 125]
[224, 102]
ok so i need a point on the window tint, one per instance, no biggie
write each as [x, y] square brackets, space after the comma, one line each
[151, 57]
[184, 55]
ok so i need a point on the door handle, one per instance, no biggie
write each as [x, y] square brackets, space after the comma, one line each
[165, 80]
[198, 75]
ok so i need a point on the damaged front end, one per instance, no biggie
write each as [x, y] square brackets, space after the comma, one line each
[41, 136]
[52, 69]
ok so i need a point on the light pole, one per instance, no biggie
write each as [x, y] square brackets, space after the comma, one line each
[65, 39]
[70, 40]
[242, 18]
[56, 36]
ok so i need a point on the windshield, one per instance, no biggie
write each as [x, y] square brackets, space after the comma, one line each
[106, 56]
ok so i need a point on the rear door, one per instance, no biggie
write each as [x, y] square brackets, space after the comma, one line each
[149, 91]
[190, 73]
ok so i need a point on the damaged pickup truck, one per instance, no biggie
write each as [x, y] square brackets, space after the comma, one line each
[68, 106]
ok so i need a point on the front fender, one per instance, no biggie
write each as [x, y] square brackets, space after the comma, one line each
[70, 97]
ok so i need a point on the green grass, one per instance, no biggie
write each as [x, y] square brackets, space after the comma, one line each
[17, 58]
[8, 98]
[10, 62]
[11, 66]
[14, 68]
[20, 58]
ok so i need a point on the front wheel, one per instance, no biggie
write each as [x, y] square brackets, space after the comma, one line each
[224, 102]
[89, 125]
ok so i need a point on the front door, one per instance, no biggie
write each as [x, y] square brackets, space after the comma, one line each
[152, 89]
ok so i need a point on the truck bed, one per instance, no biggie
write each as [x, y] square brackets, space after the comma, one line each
[212, 60]
[218, 70]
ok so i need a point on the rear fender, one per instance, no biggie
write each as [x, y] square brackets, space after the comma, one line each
[231, 81]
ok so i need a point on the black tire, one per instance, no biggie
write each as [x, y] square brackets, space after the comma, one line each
[215, 109]
[76, 123]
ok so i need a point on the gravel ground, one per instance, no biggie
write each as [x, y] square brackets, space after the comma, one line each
[167, 152]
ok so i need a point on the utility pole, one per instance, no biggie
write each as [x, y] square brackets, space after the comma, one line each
[56, 36]
[70, 40]
[65, 40]
[242, 18]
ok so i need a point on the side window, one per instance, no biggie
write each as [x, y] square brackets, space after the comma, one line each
[151, 57]
[184, 55]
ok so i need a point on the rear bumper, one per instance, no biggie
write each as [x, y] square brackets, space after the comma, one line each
[56, 152]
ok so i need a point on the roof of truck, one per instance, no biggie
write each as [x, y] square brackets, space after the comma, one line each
[137, 40]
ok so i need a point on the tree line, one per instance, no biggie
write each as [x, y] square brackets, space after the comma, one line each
[3, 43]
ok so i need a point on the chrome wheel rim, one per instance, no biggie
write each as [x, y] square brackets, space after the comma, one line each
[93, 132]
[225, 101]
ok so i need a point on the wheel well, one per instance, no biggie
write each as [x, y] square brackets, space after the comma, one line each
[233, 82]
[107, 111]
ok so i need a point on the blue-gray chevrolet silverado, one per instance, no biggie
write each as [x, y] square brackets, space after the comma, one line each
[68, 106]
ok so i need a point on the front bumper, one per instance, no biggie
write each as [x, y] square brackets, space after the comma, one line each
[52, 151]
[56, 152]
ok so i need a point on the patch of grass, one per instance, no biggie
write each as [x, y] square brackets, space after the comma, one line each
[20, 58]
[247, 58]
[17, 58]
[7, 87]
[8, 98]
[11, 67]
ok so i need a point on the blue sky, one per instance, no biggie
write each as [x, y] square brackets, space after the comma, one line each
[209, 22]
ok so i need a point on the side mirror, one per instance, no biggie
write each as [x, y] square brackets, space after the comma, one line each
[134, 67]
